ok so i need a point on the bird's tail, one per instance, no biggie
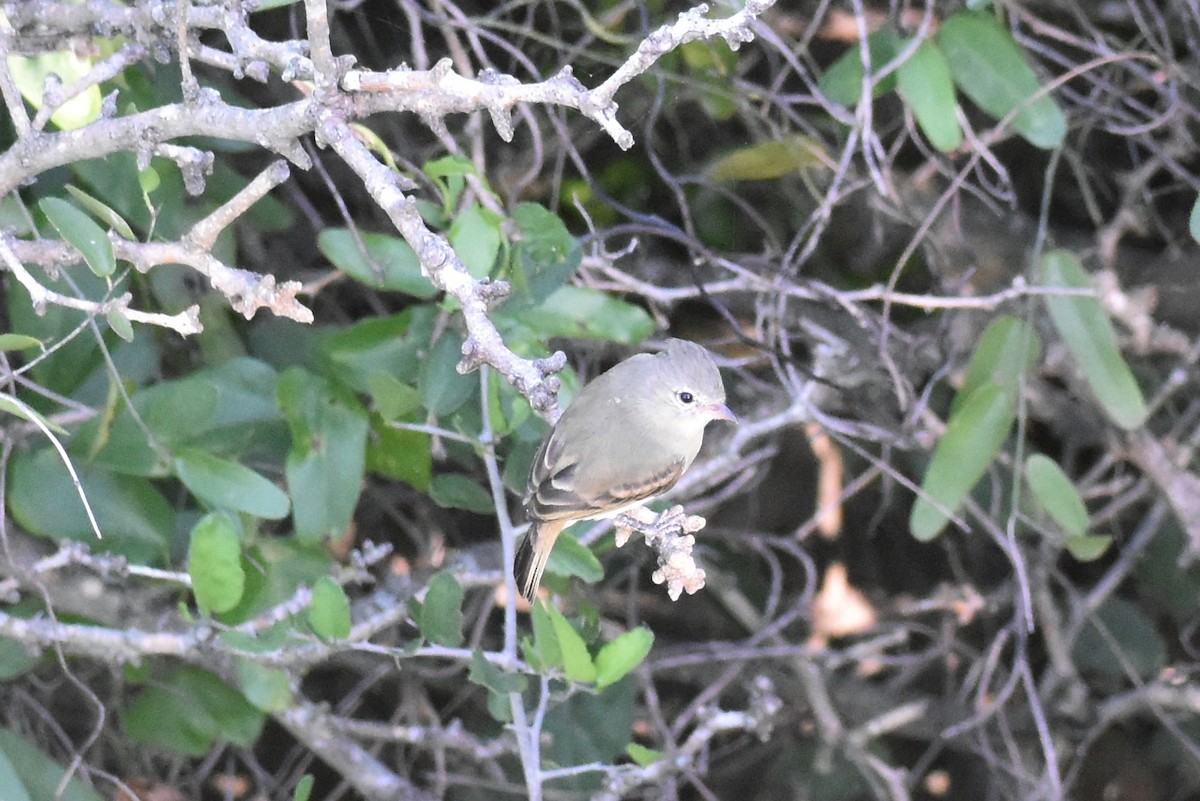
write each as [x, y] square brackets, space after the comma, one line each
[532, 555]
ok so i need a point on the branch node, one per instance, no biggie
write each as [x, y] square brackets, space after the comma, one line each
[52, 94]
[441, 69]
[108, 106]
[472, 356]
[549, 366]
[293, 68]
[502, 121]
[492, 292]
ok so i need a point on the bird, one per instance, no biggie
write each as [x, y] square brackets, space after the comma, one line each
[626, 438]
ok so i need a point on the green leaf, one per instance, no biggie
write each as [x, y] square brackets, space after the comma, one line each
[925, 83]
[401, 454]
[1085, 328]
[10, 781]
[544, 257]
[167, 719]
[434, 215]
[545, 641]
[1008, 349]
[377, 346]
[768, 160]
[641, 755]
[456, 491]
[228, 485]
[114, 180]
[581, 313]
[485, 674]
[475, 237]
[507, 409]
[102, 211]
[990, 68]
[1194, 220]
[499, 707]
[570, 557]
[269, 689]
[576, 661]
[285, 565]
[189, 711]
[149, 181]
[175, 412]
[710, 63]
[1159, 579]
[24, 411]
[1088, 547]
[1056, 494]
[239, 722]
[842, 82]
[83, 234]
[441, 617]
[19, 342]
[215, 564]
[1128, 630]
[447, 166]
[14, 219]
[30, 74]
[15, 659]
[303, 787]
[376, 144]
[31, 774]
[393, 398]
[974, 435]
[590, 727]
[617, 658]
[246, 395]
[387, 263]
[74, 359]
[119, 323]
[329, 612]
[443, 388]
[711, 56]
[230, 408]
[137, 522]
[259, 640]
[327, 460]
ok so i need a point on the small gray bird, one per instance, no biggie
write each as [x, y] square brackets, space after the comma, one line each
[626, 438]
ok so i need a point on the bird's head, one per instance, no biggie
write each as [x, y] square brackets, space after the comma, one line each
[687, 380]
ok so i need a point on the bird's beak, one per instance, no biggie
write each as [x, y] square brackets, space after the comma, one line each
[719, 411]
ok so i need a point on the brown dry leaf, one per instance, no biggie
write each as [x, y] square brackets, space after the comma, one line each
[148, 790]
[843, 26]
[340, 546]
[1163, 463]
[967, 605]
[830, 472]
[937, 783]
[232, 785]
[437, 549]
[522, 605]
[839, 610]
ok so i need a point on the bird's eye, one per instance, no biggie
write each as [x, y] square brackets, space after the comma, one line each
[686, 397]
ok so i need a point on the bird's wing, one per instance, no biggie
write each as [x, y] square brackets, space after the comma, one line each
[563, 495]
[551, 495]
[623, 495]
